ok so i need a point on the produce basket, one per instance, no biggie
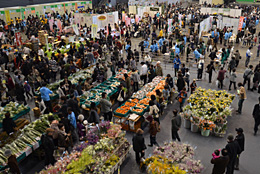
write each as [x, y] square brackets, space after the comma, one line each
[121, 114]
[141, 112]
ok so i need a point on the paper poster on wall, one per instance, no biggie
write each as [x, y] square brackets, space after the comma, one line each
[232, 12]
[102, 21]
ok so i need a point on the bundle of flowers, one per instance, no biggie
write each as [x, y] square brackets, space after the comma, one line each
[173, 158]
[209, 109]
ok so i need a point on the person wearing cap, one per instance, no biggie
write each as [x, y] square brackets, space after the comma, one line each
[256, 115]
[12, 162]
[48, 146]
[240, 138]
[139, 145]
[233, 149]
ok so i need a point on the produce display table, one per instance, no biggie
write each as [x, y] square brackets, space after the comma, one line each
[22, 113]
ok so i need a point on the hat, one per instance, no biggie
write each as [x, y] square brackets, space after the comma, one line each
[239, 130]
[158, 62]
[194, 79]
[81, 117]
[8, 153]
[6, 71]
[230, 137]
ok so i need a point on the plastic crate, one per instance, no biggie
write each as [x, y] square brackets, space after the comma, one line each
[120, 114]
[138, 113]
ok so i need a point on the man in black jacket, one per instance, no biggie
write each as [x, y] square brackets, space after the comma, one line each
[256, 115]
[139, 145]
[220, 163]
[73, 104]
[176, 124]
[240, 138]
[48, 146]
[233, 149]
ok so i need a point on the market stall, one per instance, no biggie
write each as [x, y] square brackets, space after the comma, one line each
[173, 157]
[16, 111]
[25, 141]
[130, 114]
[104, 151]
[207, 111]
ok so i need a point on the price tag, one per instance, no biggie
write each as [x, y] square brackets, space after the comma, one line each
[28, 151]
[36, 146]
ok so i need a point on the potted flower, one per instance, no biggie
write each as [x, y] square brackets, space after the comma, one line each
[194, 123]
[220, 131]
[206, 127]
[186, 116]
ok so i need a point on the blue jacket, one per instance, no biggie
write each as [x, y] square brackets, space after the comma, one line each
[177, 51]
[161, 42]
[244, 25]
[154, 47]
[185, 40]
[226, 36]
[146, 44]
[197, 54]
[230, 34]
[127, 46]
[72, 119]
[177, 63]
[257, 22]
[45, 92]
[212, 34]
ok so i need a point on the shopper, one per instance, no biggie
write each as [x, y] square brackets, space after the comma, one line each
[193, 86]
[143, 73]
[64, 139]
[242, 96]
[139, 145]
[200, 68]
[136, 79]
[12, 162]
[256, 115]
[240, 138]
[45, 95]
[106, 107]
[158, 69]
[180, 82]
[81, 127]
[233, 149]
[247, 76]
[177, 63]
[210, 69]
[182, 97]
[73, 125]
[232, 79]
[248, 56]
[220, 163]
[154, 111]
[154, 128]
[48, 146]
[176, 125]
[8, 124]
[93, 115]
[221, 77]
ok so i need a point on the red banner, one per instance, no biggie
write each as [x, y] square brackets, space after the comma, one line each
[240, 25]
[18, 39]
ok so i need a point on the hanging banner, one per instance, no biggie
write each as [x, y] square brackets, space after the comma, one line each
[18, 39]
[170, 26]
[75, 29]
[7, 15]
[123, 16]
[59, 24]
[94, 29]
[51, 21]
[240, 25]
[136, 18]
[127, 21]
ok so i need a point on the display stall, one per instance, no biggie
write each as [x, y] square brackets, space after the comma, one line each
[16, 111]
[104, 151]
[131, 113]
[173, 157]
[221, 11]
[151, 10]
[26, 140]
[31, 10]
[207, 111]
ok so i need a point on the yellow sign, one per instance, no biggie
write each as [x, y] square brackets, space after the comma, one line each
[7, 15]
[94, 29]
[101, 18]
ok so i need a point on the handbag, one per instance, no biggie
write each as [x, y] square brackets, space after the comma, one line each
[120, 98]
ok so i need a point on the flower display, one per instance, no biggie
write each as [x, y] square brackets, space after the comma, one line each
[209, 109]
[173, 158]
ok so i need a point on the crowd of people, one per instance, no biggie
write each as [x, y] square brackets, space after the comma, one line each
[28, 71]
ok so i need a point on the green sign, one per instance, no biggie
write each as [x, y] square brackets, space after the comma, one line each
[3, 12]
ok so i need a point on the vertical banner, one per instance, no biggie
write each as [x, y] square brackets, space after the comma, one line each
[170, 26]
[94, 18]
[18, 39]
[7, 15]
[127, 21]
[51, 21]
[59, 24]
[180, 20]
[115, 13]
[64, 7]
[136, 18]
[94, 29]
[123, 16]
[77, 18]
[75, 29]
[240, 25]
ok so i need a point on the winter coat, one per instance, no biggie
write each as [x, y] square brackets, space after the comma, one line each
[138, 143]
[176, 123]
[241, 141]
[220, 164]
[233, 149]
[153, 128]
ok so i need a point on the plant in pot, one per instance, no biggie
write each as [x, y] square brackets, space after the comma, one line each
[220, 131]
[194, 123]
[206, 127]
[187, 115]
